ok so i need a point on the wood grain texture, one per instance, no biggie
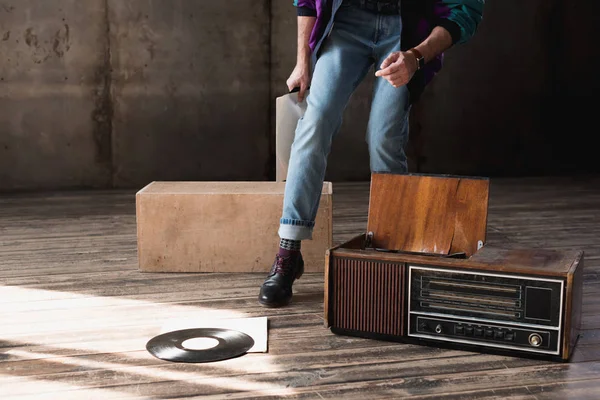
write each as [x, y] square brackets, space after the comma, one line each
[356, 242]
[326, 284]
[428, 214]
[489, 258]
[574, 306]
[371, 297]
[470, 221]
[77, 312]
[354, 275]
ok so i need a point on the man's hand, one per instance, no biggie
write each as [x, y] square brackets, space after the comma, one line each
[398, 68]
[300, 78]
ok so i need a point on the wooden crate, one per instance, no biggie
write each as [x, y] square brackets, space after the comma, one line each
[220, 227]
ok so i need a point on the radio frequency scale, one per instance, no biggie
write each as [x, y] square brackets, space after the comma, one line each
[423, 274]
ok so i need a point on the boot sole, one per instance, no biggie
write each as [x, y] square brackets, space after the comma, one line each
[274, 305]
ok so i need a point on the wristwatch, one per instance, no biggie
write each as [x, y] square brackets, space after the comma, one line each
[419, 57]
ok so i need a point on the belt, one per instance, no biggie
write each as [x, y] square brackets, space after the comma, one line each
[390, 7]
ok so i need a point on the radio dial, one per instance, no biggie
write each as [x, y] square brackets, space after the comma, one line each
[535, 340]
[438, 329]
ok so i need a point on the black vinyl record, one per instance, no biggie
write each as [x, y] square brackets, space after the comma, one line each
[168, 346]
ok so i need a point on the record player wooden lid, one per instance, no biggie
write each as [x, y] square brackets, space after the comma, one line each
[435, 214]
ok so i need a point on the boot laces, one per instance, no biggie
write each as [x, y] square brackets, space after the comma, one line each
[282, 265]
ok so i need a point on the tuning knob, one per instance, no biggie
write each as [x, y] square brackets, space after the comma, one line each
[535, 340]
[438, 329]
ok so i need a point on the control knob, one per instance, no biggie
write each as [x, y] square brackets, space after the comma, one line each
[535, 340]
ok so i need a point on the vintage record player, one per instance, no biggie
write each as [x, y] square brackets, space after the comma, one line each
[423, 274]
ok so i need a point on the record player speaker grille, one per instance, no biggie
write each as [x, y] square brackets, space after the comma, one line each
[368, 296]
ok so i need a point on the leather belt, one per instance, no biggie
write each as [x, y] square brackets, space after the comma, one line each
[390, 7]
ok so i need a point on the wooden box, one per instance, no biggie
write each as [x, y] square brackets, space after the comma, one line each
[220, 227]
[423, 274]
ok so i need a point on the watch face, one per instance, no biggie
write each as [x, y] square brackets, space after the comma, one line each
[419, 57]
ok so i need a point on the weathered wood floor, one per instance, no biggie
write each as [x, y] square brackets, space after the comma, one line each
[75, 314]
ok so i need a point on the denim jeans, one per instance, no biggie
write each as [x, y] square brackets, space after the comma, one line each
[357, 40]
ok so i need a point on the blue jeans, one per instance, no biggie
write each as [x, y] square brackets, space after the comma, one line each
[358, 40]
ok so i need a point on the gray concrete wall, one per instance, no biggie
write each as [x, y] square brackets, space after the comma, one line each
[485, 111]
[190, 88]
[102, 93]
[108, 93]
[52, 59]
[492, 109]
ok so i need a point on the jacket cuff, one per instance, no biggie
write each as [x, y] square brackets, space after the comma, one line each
[451, 27]
[306, 12]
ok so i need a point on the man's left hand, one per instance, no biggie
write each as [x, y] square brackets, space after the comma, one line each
[398, 68]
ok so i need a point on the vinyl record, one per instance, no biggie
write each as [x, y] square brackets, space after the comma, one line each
[169, 346]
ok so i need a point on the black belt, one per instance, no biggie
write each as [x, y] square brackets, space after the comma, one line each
[381, 7]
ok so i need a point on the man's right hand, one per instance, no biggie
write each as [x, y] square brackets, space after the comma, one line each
[300, 78]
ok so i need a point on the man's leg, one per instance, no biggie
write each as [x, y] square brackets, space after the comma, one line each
[387, 132]
[342, 65]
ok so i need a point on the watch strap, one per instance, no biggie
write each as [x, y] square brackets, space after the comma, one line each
[419, 57]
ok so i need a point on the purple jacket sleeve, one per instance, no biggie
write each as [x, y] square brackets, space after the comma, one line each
[306, 8]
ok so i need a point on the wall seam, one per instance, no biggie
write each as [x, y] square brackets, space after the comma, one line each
[271, 159]
[107, 92]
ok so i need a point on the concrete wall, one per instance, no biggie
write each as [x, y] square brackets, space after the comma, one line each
[109, 93]
[52, 65]
[190, 88]
[485, 111]
[515, 100]
[102, 93]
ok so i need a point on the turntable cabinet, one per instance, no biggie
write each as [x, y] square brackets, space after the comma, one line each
[422, 273]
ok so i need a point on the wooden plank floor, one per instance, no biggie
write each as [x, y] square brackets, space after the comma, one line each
[75, 314]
